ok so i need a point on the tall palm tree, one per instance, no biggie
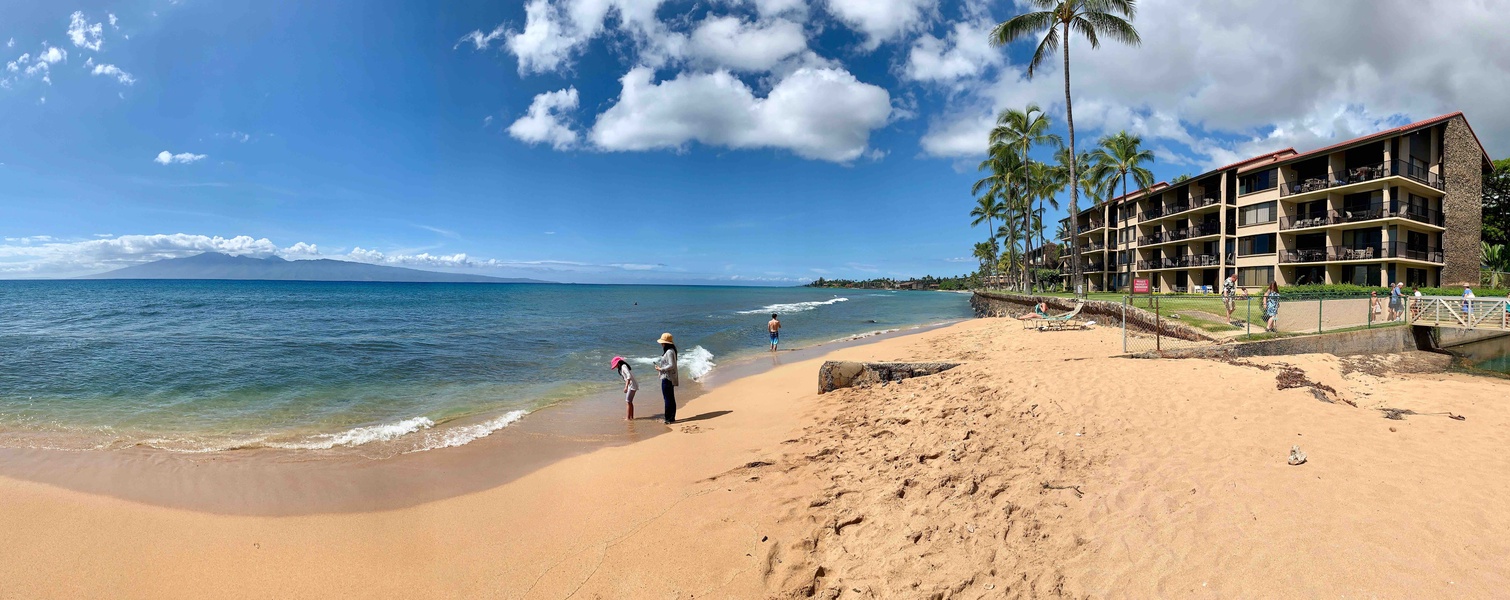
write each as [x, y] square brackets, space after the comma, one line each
[1042, 182]
[1119, 159]
[987, 208]
[1092, 19]
[985, 252]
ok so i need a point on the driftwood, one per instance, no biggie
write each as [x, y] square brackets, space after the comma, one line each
[835, 375]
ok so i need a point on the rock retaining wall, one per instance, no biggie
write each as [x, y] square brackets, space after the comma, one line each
[837, 374]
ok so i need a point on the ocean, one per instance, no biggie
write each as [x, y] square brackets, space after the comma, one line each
[210, 366]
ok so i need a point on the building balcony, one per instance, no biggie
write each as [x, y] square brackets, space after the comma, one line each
[1358, 215]
[1092, 247]
[1352, 175]
[1150, 240]
[1395, 250]
[1151, 214]
[1189, 261]
[1092, 226]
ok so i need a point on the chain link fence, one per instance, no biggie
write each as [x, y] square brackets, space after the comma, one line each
[1162, 322]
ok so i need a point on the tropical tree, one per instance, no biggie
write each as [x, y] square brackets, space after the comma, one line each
[1120, 159]
[1091, 19]
[987, 208]
[985, 252]
[1021, 130]
[1496, 190]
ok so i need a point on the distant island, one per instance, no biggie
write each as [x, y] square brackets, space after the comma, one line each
[214, 265]
[929, 282]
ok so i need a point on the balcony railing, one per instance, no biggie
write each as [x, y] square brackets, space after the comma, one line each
[1094, 225]
[1149, 240]
[1344, 253]
[1092, 247]
[1181, 262]
[1361, 174]
[1151, 214]
[1358, 214]
[1175, 209]
[1094, 267]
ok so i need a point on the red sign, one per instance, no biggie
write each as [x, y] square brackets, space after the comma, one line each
[1140, 286]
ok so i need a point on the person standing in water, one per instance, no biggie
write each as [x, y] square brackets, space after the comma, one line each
[630, 385]
[666, 366]
[774, 327]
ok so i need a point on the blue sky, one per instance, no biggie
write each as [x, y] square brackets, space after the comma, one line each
[719, 141]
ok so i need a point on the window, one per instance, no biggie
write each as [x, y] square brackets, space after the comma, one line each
[1361, 275]
[1255, 276]
[1415, 277]
[1258, 182]
[1256, 244]
[1415, 241]
[1258, 213]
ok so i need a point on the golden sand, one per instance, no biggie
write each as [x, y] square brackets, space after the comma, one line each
[1042, 467]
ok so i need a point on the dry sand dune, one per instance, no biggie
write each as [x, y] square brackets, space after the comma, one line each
[1040, 468]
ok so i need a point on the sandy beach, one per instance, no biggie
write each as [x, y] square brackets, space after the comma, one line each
[1042, 467]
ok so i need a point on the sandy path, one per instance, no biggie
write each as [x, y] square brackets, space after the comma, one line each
[934, 487]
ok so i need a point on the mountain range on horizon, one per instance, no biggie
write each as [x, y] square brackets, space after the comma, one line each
[215, 265]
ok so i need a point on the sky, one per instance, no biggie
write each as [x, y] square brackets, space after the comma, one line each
[760, 142]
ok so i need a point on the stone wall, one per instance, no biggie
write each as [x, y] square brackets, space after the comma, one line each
[837, 374]
[1464, 204]
[998, 304]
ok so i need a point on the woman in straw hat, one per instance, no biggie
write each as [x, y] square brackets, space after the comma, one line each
[666, 365]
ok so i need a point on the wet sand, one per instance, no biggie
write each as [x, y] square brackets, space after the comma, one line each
[274, 482]
[1041, 467]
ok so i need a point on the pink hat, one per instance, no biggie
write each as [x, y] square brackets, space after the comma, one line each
[617, 360]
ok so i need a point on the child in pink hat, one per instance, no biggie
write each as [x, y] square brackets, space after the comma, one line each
[630, 385]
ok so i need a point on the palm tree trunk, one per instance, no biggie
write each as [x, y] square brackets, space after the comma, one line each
[1124, 199]
[1069, 118]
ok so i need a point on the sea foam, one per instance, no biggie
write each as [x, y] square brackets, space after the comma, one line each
[449, 437]
[358, 436]
[793, 307]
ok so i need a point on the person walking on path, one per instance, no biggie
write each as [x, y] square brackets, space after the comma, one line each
[1271, 306]
[1375, 306]
[666, 366]
[1229, 295]
[630, 385]
[1468, 302]
[774, 327]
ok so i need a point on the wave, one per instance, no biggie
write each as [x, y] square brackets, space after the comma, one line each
[861, 336]
[456, 436]
[694, 363]
[793, 307]
[358, 436]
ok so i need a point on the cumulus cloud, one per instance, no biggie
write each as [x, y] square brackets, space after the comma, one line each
[555, 31]
[824, 114]
[113, 71]
[1235, 90]
[882, 21]
[548, 121]
[739, 45]
[113, 21]
[85, 35]
[167, 158]
[965, 51]
[10, 43]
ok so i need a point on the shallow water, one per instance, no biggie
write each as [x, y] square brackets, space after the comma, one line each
[204, 366]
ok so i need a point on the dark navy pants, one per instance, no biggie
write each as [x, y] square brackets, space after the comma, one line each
[668, 391]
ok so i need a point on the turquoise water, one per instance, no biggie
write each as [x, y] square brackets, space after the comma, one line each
[200, 366]
[1490, 355]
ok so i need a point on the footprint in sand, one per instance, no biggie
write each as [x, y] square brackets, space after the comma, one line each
[692, 429]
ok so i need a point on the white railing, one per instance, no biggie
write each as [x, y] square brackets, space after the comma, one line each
[1460, 313]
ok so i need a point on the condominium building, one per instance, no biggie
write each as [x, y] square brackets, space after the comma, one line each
[1399, 205]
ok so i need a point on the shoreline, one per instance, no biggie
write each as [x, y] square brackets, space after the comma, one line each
[285, 482]
[1041, 466]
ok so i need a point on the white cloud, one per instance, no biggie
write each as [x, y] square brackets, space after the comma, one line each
[772, 8]
[83, 34]
[825, 114]
[167, 158]
[547, 120]
[45, 255]
[300, 250]
[964, 52]
[113, 21]
[1336, 70]
[41, 64]
[114, 71]
[739, 45]
[556, 30]
[10, 43]
[882, 20]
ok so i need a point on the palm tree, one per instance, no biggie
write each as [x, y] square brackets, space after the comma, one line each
[1022, 129]
[1119, 159]
[987, 208]
[1089, 18]
[985, 252]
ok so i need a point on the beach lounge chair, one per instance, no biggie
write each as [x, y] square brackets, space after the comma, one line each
[1059, 322]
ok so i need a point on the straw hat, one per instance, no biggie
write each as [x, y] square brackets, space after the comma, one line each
[665, 339]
